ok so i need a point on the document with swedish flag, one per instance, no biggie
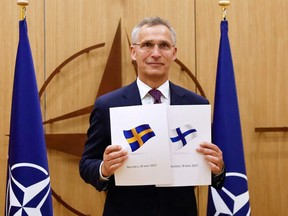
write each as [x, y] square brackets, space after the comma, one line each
[161, 142]
[143, 132]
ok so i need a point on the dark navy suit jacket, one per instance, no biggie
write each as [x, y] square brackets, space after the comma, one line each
[135, 200]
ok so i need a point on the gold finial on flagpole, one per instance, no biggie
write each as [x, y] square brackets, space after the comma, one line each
[23, 4]
[224, 5]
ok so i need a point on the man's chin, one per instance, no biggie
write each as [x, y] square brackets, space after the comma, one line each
[156, 73]
[156, 70]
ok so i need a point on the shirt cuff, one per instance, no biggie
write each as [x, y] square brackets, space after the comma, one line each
[218, 180]
[223, 169]
[102, 178]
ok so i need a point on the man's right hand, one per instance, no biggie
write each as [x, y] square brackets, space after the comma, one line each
[114, 156]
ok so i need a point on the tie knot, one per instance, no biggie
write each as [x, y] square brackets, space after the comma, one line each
[156, 94]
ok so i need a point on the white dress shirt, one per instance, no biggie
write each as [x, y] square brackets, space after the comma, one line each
[146, 98]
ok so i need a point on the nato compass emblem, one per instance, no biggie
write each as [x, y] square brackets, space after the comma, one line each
[28, 188]
[232, 201]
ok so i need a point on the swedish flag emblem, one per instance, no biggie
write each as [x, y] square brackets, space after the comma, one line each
[137, 136]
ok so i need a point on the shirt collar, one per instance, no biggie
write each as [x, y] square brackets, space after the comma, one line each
[144, 89]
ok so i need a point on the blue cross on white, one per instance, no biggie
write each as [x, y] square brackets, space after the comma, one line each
[181, 136]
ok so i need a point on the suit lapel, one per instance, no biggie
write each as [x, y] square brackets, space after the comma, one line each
[131, 95]
[176, 94]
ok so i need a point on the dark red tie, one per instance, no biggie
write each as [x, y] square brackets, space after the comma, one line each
[156, 94]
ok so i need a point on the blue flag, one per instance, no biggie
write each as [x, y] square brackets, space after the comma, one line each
[28, 182]
[233, 198]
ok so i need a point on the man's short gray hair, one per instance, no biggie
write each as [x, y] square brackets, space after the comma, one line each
[152, 21]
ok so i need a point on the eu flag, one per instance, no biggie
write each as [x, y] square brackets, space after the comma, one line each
[233, 198]
[28, 181]
[136, 137]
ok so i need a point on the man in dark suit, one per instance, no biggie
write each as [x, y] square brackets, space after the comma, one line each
[153, 48]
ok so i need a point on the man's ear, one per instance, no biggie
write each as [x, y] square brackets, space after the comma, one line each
[174, 53]
[132, 53]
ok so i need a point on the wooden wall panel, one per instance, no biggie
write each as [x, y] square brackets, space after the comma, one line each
[70, 27]
[270, 150]
[8, 46]
[258, 39]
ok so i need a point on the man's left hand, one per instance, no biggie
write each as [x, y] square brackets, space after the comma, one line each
[213, 155]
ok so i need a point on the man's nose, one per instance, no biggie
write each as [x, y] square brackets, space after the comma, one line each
[156, 51]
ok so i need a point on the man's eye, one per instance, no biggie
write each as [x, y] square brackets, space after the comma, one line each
[147, 44]
[164, 45]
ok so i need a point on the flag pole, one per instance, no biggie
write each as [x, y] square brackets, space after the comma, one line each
[224, 5]
[23, 4]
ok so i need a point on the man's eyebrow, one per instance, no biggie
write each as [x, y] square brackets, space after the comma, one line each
[161, 41]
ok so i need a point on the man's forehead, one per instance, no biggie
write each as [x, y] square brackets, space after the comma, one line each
[162, 32]
[158, 26]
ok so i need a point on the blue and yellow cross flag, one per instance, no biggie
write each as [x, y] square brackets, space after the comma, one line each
[28, 181]
[233, 198]
[136, 137]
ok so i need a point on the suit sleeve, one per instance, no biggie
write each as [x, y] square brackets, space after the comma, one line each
[218, 180]
[98, 138]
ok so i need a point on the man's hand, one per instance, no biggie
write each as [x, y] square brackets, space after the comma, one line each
[113, 157]
[213, 156]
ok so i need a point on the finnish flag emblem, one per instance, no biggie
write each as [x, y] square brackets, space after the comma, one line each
[181, 136]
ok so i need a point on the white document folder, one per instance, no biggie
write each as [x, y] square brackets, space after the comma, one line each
[161, 142]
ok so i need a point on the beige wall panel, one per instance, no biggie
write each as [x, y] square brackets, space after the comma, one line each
[258, 39]
[8, 47]
[70, 27]
[270, 151]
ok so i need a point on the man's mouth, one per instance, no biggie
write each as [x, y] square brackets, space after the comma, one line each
[155, 63]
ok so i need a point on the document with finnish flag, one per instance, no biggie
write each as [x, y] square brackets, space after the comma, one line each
[161, 142]
[188, 126]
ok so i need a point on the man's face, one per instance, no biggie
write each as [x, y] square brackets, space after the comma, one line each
[154, 51]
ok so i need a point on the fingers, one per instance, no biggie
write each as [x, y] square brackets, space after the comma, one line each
[114, 156]
[213, 155]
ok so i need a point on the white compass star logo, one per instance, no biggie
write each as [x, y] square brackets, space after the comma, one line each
[239, 201]
[17, 204]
